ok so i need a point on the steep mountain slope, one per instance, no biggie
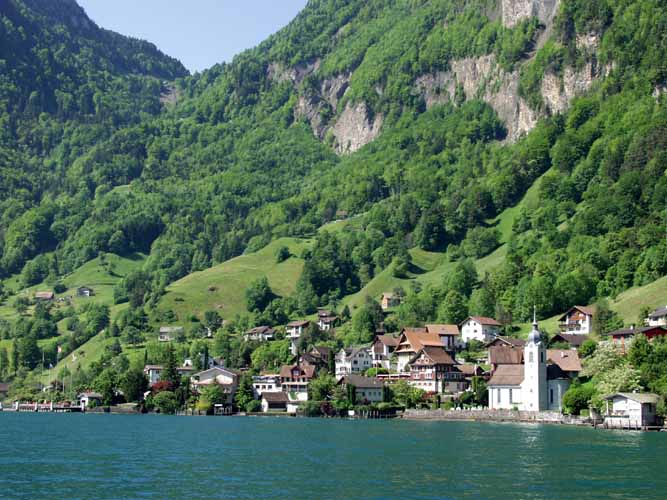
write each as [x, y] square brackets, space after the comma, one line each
[428, 119]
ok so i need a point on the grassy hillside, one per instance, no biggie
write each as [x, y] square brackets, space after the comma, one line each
[222, 287]
[101, 277]
[432, 267]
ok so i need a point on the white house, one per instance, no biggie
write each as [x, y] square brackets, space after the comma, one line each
[480, 328]
[153, 372]
[366, 389]
[658, 317]
[260, 334]
[294, 380]
[294, 330]
[577, 321]
[631, 410]
[354, 360]
[225, 378]
[169, 333]
[327, 321]
[382, 349]
[276, 401]
[266, 383]
[86, 398]
[536, 384]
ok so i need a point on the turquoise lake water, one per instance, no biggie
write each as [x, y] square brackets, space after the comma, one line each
[159, 457]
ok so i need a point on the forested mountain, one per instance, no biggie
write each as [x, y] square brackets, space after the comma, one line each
[427, 118]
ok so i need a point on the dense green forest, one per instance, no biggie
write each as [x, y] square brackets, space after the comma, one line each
[94, 160]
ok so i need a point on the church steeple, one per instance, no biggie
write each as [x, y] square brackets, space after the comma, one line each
[534, 386]
[535, 337]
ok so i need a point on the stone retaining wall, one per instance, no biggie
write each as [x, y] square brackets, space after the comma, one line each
[545, 417]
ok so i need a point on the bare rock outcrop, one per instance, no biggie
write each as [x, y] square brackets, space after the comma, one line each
[514, 11]
[317, 107]
[277, 72]
[482, 78]
[355, 128]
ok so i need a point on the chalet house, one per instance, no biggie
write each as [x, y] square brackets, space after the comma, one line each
[392, 378]
[624, 335]
[389, 300]
[532, 379]
[577, 321]
[170, 333]
[260, 334]
[410, 342]
[433, 370]
[574, 341]
[84, 291]
[382, 349]
[318, 356]
[631, 410]
[327, 321]
[227, 379]
[658, 317]
[450, 335]
[294, 379]
[276, 401]
[45, 296]
[87, 399]
[480, 328]
[367, 389]
[342, 214]
[4, 390]
[153, 372]
[353, 360]
[294, 330]
[266, 383]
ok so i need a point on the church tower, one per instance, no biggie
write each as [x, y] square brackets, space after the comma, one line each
[534, 386]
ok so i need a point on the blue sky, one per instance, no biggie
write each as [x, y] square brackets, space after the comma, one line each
[200, 33]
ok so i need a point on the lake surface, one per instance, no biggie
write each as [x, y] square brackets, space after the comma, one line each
[159, 457]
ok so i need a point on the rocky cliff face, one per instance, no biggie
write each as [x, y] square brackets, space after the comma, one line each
[483, 78]
[513, 11]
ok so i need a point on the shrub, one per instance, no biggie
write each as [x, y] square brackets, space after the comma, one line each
[282, 254]
[577, 398]
[253, 406]
[166, 402]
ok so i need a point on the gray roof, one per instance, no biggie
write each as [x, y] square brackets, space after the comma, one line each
[507, 375]
[659, 312]
[362, 382]
[275, 397]
[639, 397]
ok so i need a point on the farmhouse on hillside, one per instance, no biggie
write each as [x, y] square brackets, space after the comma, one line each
[577, 321]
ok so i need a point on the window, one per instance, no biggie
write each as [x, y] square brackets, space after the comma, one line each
[551, 396]
[530, 357]
[498, 395]
[541, 357]
[511, 401]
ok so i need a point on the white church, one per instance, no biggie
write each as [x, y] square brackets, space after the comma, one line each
[535, 385]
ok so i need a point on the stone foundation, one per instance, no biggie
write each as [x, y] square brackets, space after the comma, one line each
[542, 417]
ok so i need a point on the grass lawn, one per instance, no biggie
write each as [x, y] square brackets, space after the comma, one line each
[222, 287]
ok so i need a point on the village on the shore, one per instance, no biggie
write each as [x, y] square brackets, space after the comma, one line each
[436, 369]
